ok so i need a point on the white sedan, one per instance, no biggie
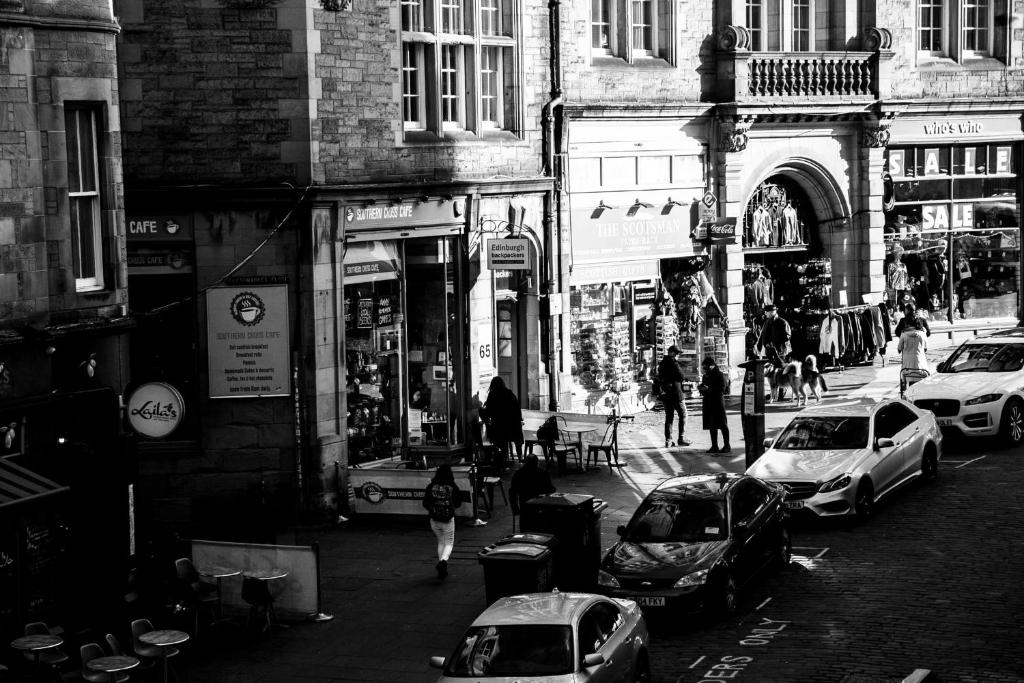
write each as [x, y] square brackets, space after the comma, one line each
[842, 458]
[979, 390]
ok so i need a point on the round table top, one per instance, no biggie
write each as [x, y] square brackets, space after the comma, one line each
[164, 637]
[36, 642]
[217, 571]
[113, 664]
[266, 574]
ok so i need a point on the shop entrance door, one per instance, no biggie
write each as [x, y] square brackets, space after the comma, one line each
[509, 346]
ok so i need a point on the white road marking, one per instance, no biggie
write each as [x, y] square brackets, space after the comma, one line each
[818, 556]
[766, 601]
[980, 457]
[699, 660]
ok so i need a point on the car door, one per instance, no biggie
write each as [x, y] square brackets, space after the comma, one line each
[911, 437]
[887, 462]
[749, 501]
[601, 631]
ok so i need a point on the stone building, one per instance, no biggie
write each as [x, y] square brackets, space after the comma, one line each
[312, 190]
[63, 322]
[828, 159]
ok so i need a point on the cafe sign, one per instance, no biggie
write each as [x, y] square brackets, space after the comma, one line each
[247, 341]
[155, 409]
[158, 228]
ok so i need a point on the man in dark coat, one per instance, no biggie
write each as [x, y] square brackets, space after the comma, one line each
[777, 332]
[504, 419]
[528, 482]
[671, 377]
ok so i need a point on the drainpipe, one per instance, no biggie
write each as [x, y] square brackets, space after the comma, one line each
[552, 202]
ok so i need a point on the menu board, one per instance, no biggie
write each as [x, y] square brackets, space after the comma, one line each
[364, 314]
[42, 550]
[385, 310]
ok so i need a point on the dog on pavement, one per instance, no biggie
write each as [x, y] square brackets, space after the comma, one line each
[811, 380]
[780, 374]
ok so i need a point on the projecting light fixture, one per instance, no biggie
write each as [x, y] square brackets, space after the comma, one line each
[637, 205]
[667, 209]
[600, 208]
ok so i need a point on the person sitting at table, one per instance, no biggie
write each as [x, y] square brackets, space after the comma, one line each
[529, 481]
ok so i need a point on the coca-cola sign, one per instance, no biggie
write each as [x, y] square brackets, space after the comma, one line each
[155, 409]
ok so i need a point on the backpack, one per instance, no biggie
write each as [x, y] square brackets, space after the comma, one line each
[549, 430]
[441, 508]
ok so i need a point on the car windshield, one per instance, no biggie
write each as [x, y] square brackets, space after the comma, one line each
[819, 432]
[664, 519]
[996, 357]
[529, 650]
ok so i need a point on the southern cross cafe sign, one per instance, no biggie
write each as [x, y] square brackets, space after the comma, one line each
[247, 341]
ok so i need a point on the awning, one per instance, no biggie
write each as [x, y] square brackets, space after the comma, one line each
[369, 261]
[20, 485]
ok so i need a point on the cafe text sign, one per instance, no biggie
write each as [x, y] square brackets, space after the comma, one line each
[403, 214]
[247, 341]
[158, 228]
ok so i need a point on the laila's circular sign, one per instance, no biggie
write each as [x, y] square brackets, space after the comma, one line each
[155, 409]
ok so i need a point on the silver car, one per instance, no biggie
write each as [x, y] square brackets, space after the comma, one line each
[840, 459]
[554, 638]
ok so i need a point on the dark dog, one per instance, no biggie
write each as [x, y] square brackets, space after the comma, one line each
[811, 380]
[781, 374]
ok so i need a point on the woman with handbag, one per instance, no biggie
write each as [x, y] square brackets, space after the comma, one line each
[712, 392]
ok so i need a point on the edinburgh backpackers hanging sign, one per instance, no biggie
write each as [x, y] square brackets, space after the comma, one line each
[510, 253]
[247, 341]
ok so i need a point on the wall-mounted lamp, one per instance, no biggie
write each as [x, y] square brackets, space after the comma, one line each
[369, 202]
[637, 205]
[88, 366]
[667, 209]
[423, 199]
[600, 208]
[447, 197]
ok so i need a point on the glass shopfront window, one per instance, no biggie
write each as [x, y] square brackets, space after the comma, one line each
[401, 325]
[952, 234]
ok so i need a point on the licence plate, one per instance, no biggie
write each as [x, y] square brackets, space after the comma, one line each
[794, 504]
[944, 421]
[649, 600]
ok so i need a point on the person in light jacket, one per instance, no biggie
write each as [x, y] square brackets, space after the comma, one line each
[912, 346]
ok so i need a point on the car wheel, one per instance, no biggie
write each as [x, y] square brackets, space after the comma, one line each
[929, 464]
[864, 503]
[642, 670]
[1011, 424]
[784, 553]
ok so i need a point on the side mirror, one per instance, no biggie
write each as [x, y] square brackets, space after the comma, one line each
[768, 443]
[437, 662]
[621, 530]
[595, 659]
[883, 442]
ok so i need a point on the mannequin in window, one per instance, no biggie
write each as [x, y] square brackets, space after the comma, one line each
[897, 278]
[696, 293]
[762, 229]
[790, 225]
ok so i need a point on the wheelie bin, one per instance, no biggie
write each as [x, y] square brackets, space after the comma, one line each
[518, 565]
[575, 520]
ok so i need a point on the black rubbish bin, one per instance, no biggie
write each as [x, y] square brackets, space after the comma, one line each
[514, 567]
[575, 520]
[546, 540]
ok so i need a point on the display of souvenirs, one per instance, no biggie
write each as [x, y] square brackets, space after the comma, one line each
[600, 341]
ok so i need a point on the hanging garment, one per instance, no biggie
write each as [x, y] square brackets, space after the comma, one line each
[897, 276]
[886, 322]
[868, 332]
[876, 326]
[829, 336]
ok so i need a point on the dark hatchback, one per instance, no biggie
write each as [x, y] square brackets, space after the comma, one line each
[695, 541]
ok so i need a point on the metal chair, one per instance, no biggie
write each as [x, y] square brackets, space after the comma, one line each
[565, 445]
[52, 657]
[114, 647]
[145, 651]
[196, 594]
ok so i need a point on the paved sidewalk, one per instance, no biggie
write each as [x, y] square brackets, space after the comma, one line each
[377, 572]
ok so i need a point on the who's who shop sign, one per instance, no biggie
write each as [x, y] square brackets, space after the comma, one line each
[247, 341]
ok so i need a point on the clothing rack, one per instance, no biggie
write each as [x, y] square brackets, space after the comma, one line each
[855, 308]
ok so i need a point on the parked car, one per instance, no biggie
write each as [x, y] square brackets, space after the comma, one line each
[555, 638]
[841, 459]
[696, 540]
[979, 389]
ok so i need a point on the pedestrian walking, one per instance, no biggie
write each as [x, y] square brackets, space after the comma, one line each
[504, 418]
[441, 498]
[911, 314]
[776, 332]
[670, 375]
[912, 347]
[712, 393]
[529, 481]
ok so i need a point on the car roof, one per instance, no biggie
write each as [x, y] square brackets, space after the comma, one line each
[860, 406]
[707, 485]
[535, 608]
[1014, 334]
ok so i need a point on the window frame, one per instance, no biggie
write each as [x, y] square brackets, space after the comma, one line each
[93, 196]
[773, 25]
[954, 29]
[449, 70]
[621, 23]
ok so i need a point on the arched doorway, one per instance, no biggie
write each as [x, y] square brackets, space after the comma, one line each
[787, 258]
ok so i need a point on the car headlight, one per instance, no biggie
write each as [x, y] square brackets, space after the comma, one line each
[986, 398]
[697, 578]
[607, 580]
[840, 482]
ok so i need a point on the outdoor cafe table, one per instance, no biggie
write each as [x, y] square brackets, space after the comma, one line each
[164, 639]
[580, 428]
[112, 665]
[219, 573]
[35, 644]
